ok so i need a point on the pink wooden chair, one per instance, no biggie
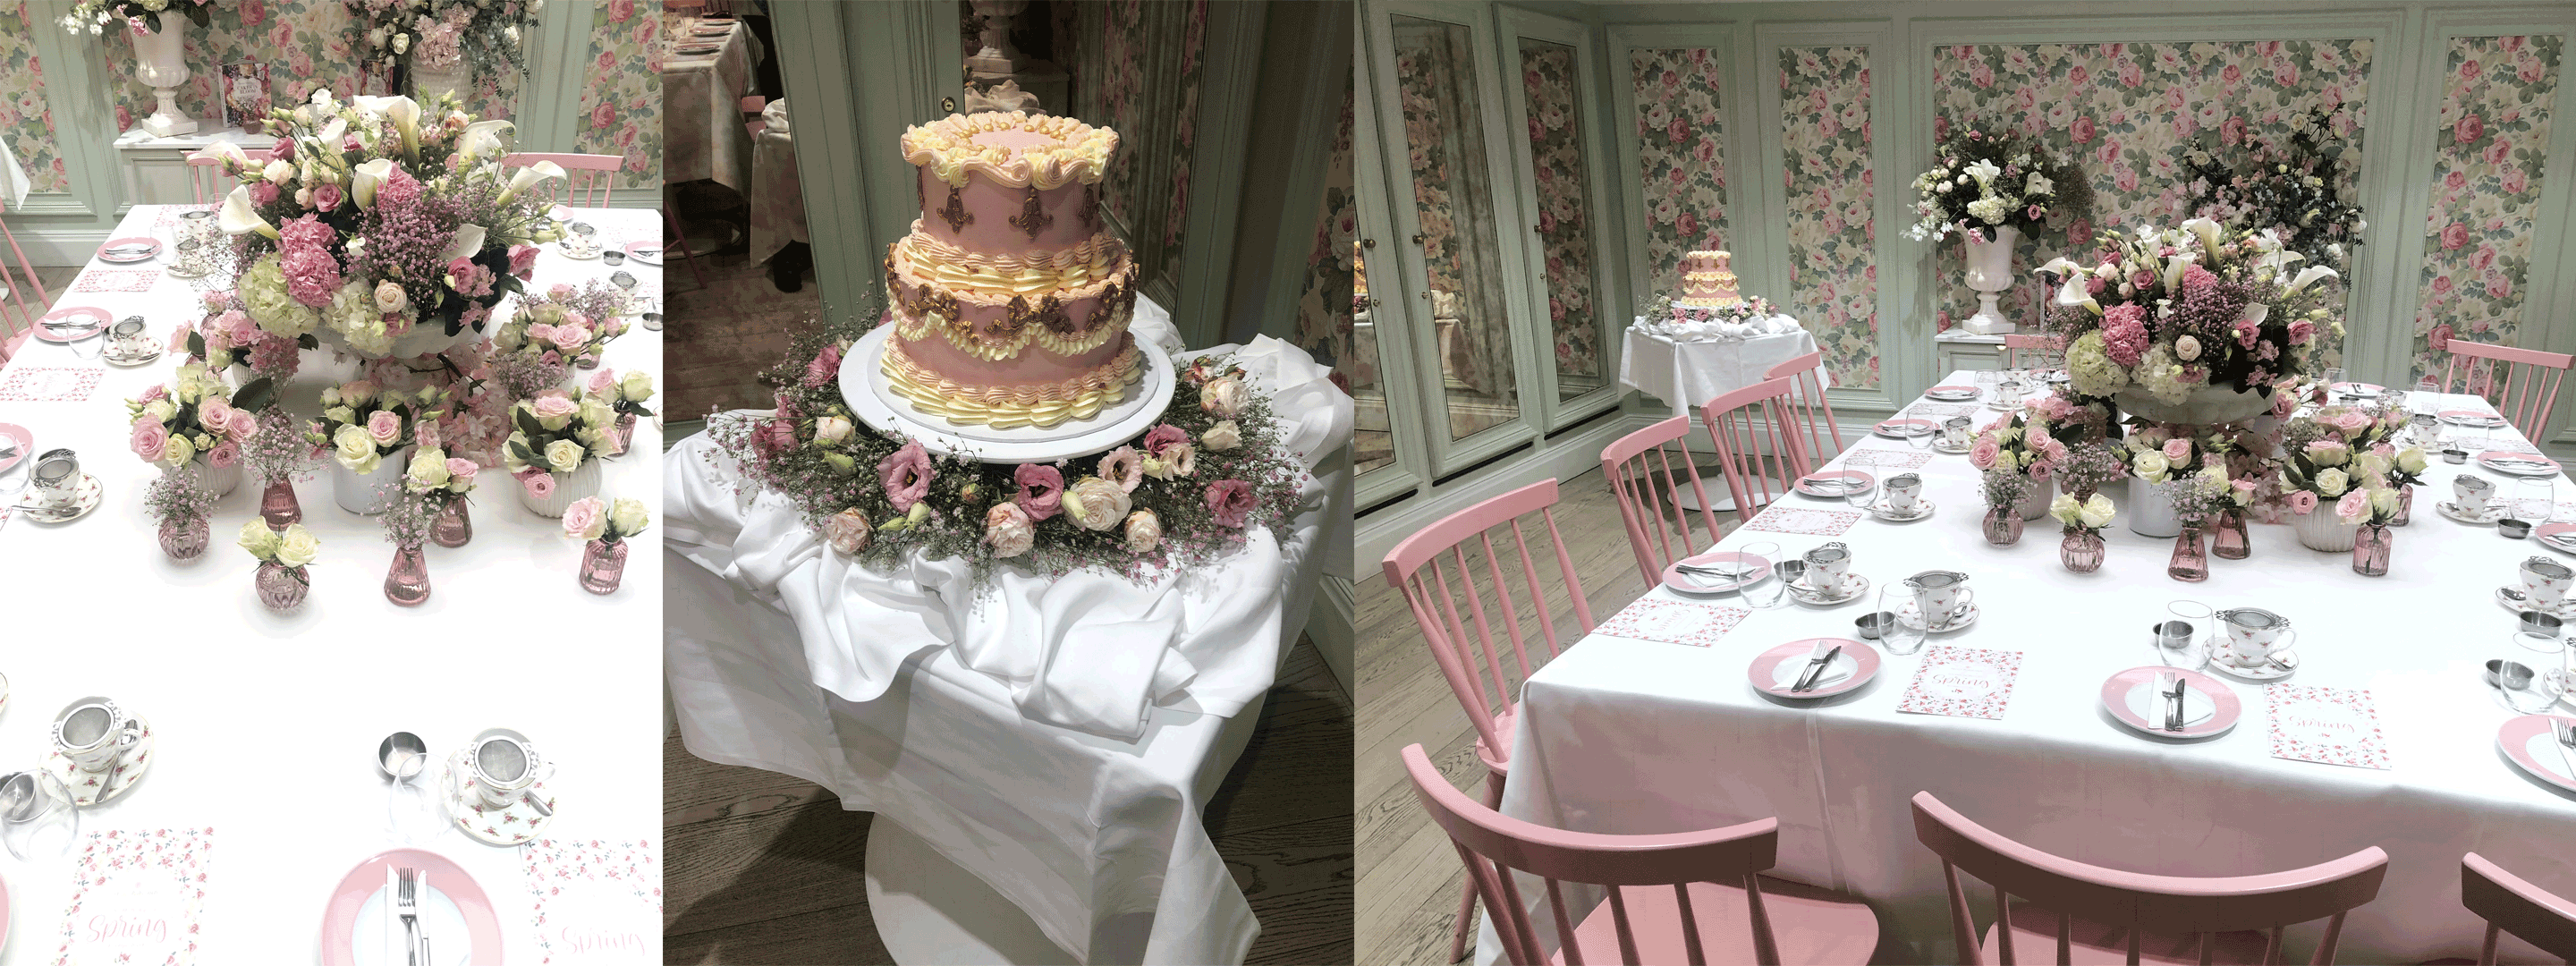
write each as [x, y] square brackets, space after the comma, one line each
[2509, 904]
[1713, 875]
[1640, 468]
[2523, 393]
[1472, 664]
[2100, 912]
[1757, 444]
[18, 315]
[206, 175]
[590, 177]
[2030, 351]
[1807, 378]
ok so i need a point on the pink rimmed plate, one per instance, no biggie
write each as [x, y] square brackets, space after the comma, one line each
[1773, 671]
[2359, 389]
[26, 442]
[340, 918]
[1951, 393]
[2511, 463]
[138, 248]
[638, 250]
[2527, 741]
[2471, 417]
[1854, 481]
[2560, 537]
[1907, 428]
[1756, 569]
[98, 319]
[2131, 698]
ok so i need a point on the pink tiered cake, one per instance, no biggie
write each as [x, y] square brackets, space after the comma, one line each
[1707, 282]
[1011, 303]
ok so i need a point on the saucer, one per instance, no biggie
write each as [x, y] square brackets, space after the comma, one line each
[2268, 672]
[1906, 428]
[1951, 393]
[115, 357]
[1911, 615]
[1945, 448]
[1854, 585]
[2127, 692]
[2454, 511]
[578, 248]
[1773, 671]
[2527, 741]
[2563, 610]
[86, 788]
[512, 825]
[1922, 508]
[88, 499]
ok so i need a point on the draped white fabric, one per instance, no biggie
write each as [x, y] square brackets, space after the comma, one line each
[1630, 736]
[1686, 373]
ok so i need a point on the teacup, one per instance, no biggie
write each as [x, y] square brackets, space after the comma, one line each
[2254, 635]
[93, 731]
[1954, 432]
[1941, 595]
[1904, 491]
[1826, 566]
[2545, 581]
[57, 479]
[502, 764]
[2008, 394]
[2475, 492]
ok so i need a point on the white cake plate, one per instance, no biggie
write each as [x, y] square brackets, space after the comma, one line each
[873, 400]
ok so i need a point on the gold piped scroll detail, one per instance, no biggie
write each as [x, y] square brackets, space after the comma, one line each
[955, 213]
[1031, 218]
[1081, 397]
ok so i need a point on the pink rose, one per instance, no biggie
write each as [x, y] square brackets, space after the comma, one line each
[540, 485]
[1041, 491]
[523, 261]
[224, 455]
[2302, 501]
[156, 392]
[906, 475]
[1162, 437]
[1008, 530]
[579, 517]
[1230, 501]
[238, 327]
[2354, 505]
[243, 427]
[1984, 455]
[2041, 471]
[2470, 129]
[2440, 337]
[461, 468]
[215, 414]
[540, 333]
[384, 427]
[2455, 236]
[2177, 450]
[328, 197]
[561, 292]
[572, 336]
[151, 440]
[603, 381]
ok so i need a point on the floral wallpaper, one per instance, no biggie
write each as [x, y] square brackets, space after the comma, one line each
[1136, 68]
[1324, 305]
[1681, 157]
[1548, 91]
[1833, 268]
[305, 43]
[26, 122]
[621, 94]
[1420, 76]
[2127, 112]
[2494, 141]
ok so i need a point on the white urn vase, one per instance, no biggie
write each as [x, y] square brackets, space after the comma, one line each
[356, 492]
[1990, 273]
[2206, 406]
[160, 60]
[2320, 529]
[2151, 512]
[426, 84]
[581, 482]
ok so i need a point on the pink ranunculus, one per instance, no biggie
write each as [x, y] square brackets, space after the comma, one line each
[1041, 492]
[1231, 501]
[151, 440]
[327, 197]
[579, 517]
[523, 261]
[224, 455]
[384, 427]
[906, 474]
[1984, 455]
[2178, 450]
[1162, 437]
[540, 485]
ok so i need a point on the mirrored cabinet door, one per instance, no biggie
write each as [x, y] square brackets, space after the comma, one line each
[1574, 310]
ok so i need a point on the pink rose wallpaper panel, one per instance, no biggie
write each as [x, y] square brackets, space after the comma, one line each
[1833, 264]
[306, 43]
[1681, 157]
[621, 107]
[1550, 97]
[2493, 141]
[25, 120]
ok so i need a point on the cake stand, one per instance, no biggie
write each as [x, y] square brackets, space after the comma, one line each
[865, 388]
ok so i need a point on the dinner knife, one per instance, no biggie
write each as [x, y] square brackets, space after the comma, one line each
[2170, 685]
[2566, 735]
[1821, 658]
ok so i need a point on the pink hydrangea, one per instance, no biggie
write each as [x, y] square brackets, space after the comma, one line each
[311, 275]
[1041, 491]
[399, 190]
[305, 232]
[1231, 501]
[2197, 277]
[905, 474]
[2124, 333]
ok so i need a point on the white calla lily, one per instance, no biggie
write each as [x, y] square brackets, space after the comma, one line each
[238, 218]
[528, 176]
[363, 181]
[2174, 267]
[403, 111]
[2076, 291]
[482, 137]
[231, 154]
[2062, 265]
[2255, 312]
[2308, 276]
[469, 240]
[331, 135]
[2207, 230]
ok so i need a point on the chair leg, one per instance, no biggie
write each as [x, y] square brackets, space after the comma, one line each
[1466, 927]
[683, 238]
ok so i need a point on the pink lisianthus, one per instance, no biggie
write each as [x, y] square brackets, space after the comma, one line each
[2041, 470]
[2302, 501]
[1985, 454]
[151, 440]
[224, 455]
[1163, 436]
[263, 194]
[906, 474]
[523, 261]
[776, 436]
[156, 392]
[825, 367]
[1231, 501]
[1123, 466]
[2301, 331]
[1041, 491]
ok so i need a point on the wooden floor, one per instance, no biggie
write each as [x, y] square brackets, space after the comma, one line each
[721, 336]
[1409, 874]
[55, 280]
[761, 868]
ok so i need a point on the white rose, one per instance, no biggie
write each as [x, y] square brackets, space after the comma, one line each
[161, 409]
[627, 514]
[2332, 482]
[1221, 437]
[428, 468]
[1144, 531]
[1222, 396]
[1007, 530]
[390, 297]
[2098, 511]
[297, 546]
[564, 455]
[1095, 503]
[2186, 348]
[402, 43]
[278, 172]
[355, 449]
[831, 429]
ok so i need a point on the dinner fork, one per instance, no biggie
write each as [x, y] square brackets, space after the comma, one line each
[407, 906]
[2566, 735]
[2172, 688]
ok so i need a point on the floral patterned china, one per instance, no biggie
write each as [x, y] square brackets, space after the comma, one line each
[96, 788]
[1853, 586]
[85, 498]
[1906, 428]
[513, 824]
[1911, 615]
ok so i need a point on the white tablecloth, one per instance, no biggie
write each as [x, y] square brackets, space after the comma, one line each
[777, 194]
[14, 184]
[703, 133]
[1686, 374]
[507, 639]
[1002, 748]
[1630, 736]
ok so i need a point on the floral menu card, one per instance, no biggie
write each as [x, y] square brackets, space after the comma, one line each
[1908, 459]
[1818, 523]
[116, 280]
[1673, 622]
[1962, 682]
[595, 901]
[48, 384]
[136, 899]
[2337, 726]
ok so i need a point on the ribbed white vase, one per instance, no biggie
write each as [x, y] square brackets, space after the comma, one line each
[2035, 505]
[2151, 513]
[218, 482]
[356, 492]
[2320, 529]
[426, 84]
[581, 482]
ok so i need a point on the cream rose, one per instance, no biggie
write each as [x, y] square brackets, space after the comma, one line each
[635, 387]
[1007, 530]
[297, 546]
[628, 516]
[564, 455]
[2332, 482]
[847, 531]
[1144, 531]
[257, 538]
[390, 297]
[428, 468]
[1223, 396]
[831, 429]
[354, 450]
[1095, 503]
[1223, 436]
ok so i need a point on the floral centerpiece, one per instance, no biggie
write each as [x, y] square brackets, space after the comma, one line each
[182, 505]
[2166, 317]
[556, 442]
[2033, 441]
[282, 555]
[197, 419]
[226, 335]
[1984, 180]
[479, 37]
[605, 528]
[2158, 454]
[552, 331]
[626, 395]
[1749, 308]
[392, 229]
[2299, 189]
[363, 424]
[2334, 472]
[1179, 495]
[92, 17]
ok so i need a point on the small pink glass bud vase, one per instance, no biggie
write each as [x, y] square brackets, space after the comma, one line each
[2081, 552]
[2370, 550]
[625, 429]
[2228, 539]
[277, 505]
[2003, 526]
[454, 526]
[184, 539]
[281, 587]
[407, 583]
[2405, 506]
[2188, 563]
[603, 564]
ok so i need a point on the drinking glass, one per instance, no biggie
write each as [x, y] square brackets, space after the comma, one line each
[1898, 638]
[2534, 500]
[1765, 593]
[1986, 380]
[89, 346]
[2532, 674]
[1923, 440]
[1862, 500]
[2334, 377]
[37, 820]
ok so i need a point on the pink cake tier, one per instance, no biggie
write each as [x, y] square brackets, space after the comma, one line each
[1707, 281]
[1011, 303]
